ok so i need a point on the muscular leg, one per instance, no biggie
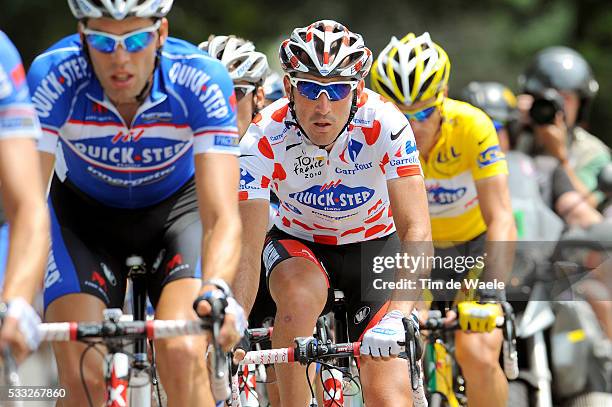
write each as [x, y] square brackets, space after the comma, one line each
[181, 361]
[299, 288]
[272, 388]
[385, 383]
[78, 307]
[478, 356]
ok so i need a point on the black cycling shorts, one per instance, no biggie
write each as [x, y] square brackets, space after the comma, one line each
[340, 265]
[91, 242]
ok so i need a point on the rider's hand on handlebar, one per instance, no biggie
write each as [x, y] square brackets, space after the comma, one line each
[382, 340]
[234, 321]
[243, 346]
[19, 328]
[476, 317]
[11, 336]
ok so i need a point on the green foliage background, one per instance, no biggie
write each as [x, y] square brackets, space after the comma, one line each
[485, 39]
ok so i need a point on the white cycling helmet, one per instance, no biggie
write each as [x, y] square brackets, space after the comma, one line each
[238, 56]
[119, 9]
[326, 48]
[273, 87]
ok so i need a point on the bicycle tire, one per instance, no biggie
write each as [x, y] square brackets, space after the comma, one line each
[437, 400]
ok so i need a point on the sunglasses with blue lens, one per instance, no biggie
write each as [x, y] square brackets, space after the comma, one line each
[134, 41]
[334, 90]
[421, 115]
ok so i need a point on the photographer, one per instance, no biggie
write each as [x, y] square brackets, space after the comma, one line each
[538, 187]
[559, 86]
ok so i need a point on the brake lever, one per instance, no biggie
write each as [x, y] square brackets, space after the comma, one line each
[10, 367]
[220, 383]
[410, 346]
[218, 316]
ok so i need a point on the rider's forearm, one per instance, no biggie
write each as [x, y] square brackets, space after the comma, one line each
[221, 248]
[28, 250]
[500, 247]
[405, 307]
[254, 223]
[415, 243]
[411, 218]
[245, 287]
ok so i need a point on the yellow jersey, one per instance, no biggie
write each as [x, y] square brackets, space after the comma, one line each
[466, 150]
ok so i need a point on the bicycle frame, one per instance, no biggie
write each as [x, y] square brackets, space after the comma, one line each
[117, 378]
[140, 380]
[439, 370]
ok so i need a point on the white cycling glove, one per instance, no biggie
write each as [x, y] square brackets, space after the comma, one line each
[237, 311]
[28, 319]
[382, 340]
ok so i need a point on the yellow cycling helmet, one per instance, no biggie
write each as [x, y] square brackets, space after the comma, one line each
[411, 69]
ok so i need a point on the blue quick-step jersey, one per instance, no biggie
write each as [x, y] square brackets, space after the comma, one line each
[190, 110]
[17, 116]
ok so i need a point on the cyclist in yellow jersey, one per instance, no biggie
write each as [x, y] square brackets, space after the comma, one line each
[466, 180]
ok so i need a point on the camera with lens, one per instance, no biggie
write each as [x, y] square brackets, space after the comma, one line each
[545, 106]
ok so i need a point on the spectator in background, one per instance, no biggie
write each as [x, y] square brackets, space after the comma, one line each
[559, 87]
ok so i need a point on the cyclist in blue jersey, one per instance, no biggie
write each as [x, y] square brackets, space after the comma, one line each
[123, 108]
[24, 205]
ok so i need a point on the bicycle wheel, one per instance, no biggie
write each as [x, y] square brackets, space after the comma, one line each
[437, 400]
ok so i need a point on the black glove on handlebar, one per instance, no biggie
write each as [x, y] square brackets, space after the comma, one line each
[217, 301]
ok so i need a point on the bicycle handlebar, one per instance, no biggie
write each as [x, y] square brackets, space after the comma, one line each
[156, 329]
[444, 324]
[310, 349]
[259, 334]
